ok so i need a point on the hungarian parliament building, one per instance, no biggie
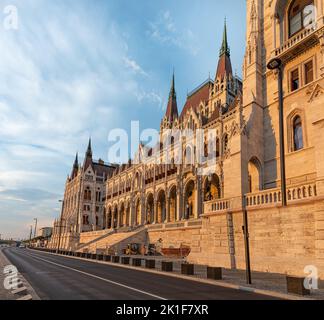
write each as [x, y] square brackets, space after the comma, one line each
[203, 205]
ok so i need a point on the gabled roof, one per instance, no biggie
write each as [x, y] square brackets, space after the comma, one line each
[224, 68]
[201, 94]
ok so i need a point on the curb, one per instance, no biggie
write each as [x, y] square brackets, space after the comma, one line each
[270, 293]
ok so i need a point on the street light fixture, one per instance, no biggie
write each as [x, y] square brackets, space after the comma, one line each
[35, 230]
[276, 64]
[60, 227]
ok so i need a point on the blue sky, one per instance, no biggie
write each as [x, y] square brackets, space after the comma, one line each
[75, 69]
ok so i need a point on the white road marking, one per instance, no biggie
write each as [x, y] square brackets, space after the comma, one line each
[100, 278]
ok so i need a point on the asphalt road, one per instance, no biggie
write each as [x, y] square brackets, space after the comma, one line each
[62, 278]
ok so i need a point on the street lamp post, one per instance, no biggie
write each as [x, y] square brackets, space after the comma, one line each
[35, 219]
[276, 64]
[60, 227]
[30, 235]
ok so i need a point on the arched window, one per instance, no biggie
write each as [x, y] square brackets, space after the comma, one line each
[217, 148]
[188, 156]
[301, 15]
[298, 134]
[254, 175]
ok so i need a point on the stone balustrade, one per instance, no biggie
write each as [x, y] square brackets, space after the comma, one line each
[196, 223]
[270, 197]
[273, 196]
[217, 205]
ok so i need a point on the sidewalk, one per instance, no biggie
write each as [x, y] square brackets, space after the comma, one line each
[4, 293]
[260, 280]
[26, 292]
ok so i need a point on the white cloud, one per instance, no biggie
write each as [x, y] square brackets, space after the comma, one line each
[133, 65]
[164, 30]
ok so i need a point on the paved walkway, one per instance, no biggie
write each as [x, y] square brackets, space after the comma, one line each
[4, 293]
[260, 280]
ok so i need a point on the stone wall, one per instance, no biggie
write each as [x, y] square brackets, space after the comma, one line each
[282, 240]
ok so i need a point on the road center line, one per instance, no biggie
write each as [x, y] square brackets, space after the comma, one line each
[97, 277]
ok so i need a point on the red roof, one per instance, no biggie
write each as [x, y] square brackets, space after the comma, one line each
[172, 109]
[224, 67]
[200, 95]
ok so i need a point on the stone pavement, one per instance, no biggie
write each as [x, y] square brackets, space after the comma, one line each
[4, 293]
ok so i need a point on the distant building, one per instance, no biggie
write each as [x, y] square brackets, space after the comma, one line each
[45, 232]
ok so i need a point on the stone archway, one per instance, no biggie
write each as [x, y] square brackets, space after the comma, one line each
[115, 217]
[138, 215]
[149, 212]
[255, 177]
[104, 220]
[189, 200]
[212, 189]
[109, 218]
[173, 204]
[161, 207]
[128, 218]
[122, 216]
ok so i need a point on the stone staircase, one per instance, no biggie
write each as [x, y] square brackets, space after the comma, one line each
[114, 242]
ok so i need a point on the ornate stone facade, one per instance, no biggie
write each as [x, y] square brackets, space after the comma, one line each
[192, 203]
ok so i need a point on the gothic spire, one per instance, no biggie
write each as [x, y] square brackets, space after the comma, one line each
[172, 108]
[225, 48]
[75, 168]
[224, 69]
[76, 161]
[172, 90]
[89, 150]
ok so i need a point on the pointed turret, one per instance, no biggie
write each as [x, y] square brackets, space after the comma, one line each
[225, 48]
[224, 68]
[89, 150]
[172, 108]
[88, 156]
[75, 168]
[76, 161]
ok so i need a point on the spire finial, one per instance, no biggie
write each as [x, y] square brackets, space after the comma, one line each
[172, 109]
[172, 91]
[225, 48]
[76, 161]
[89, 150]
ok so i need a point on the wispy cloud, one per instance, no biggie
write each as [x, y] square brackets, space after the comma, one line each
[165, 31]
[134, 66]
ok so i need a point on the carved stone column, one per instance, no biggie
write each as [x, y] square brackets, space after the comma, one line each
[179, 213]
[143, 211]
[196, 199]
[118, 218]
[132, 213]
[155, 211]
[320, 35]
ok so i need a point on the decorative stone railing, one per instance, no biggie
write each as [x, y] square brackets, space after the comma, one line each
[217, 205]
[175, 225]
[296, 44]
[273, 196]
[270, 197]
